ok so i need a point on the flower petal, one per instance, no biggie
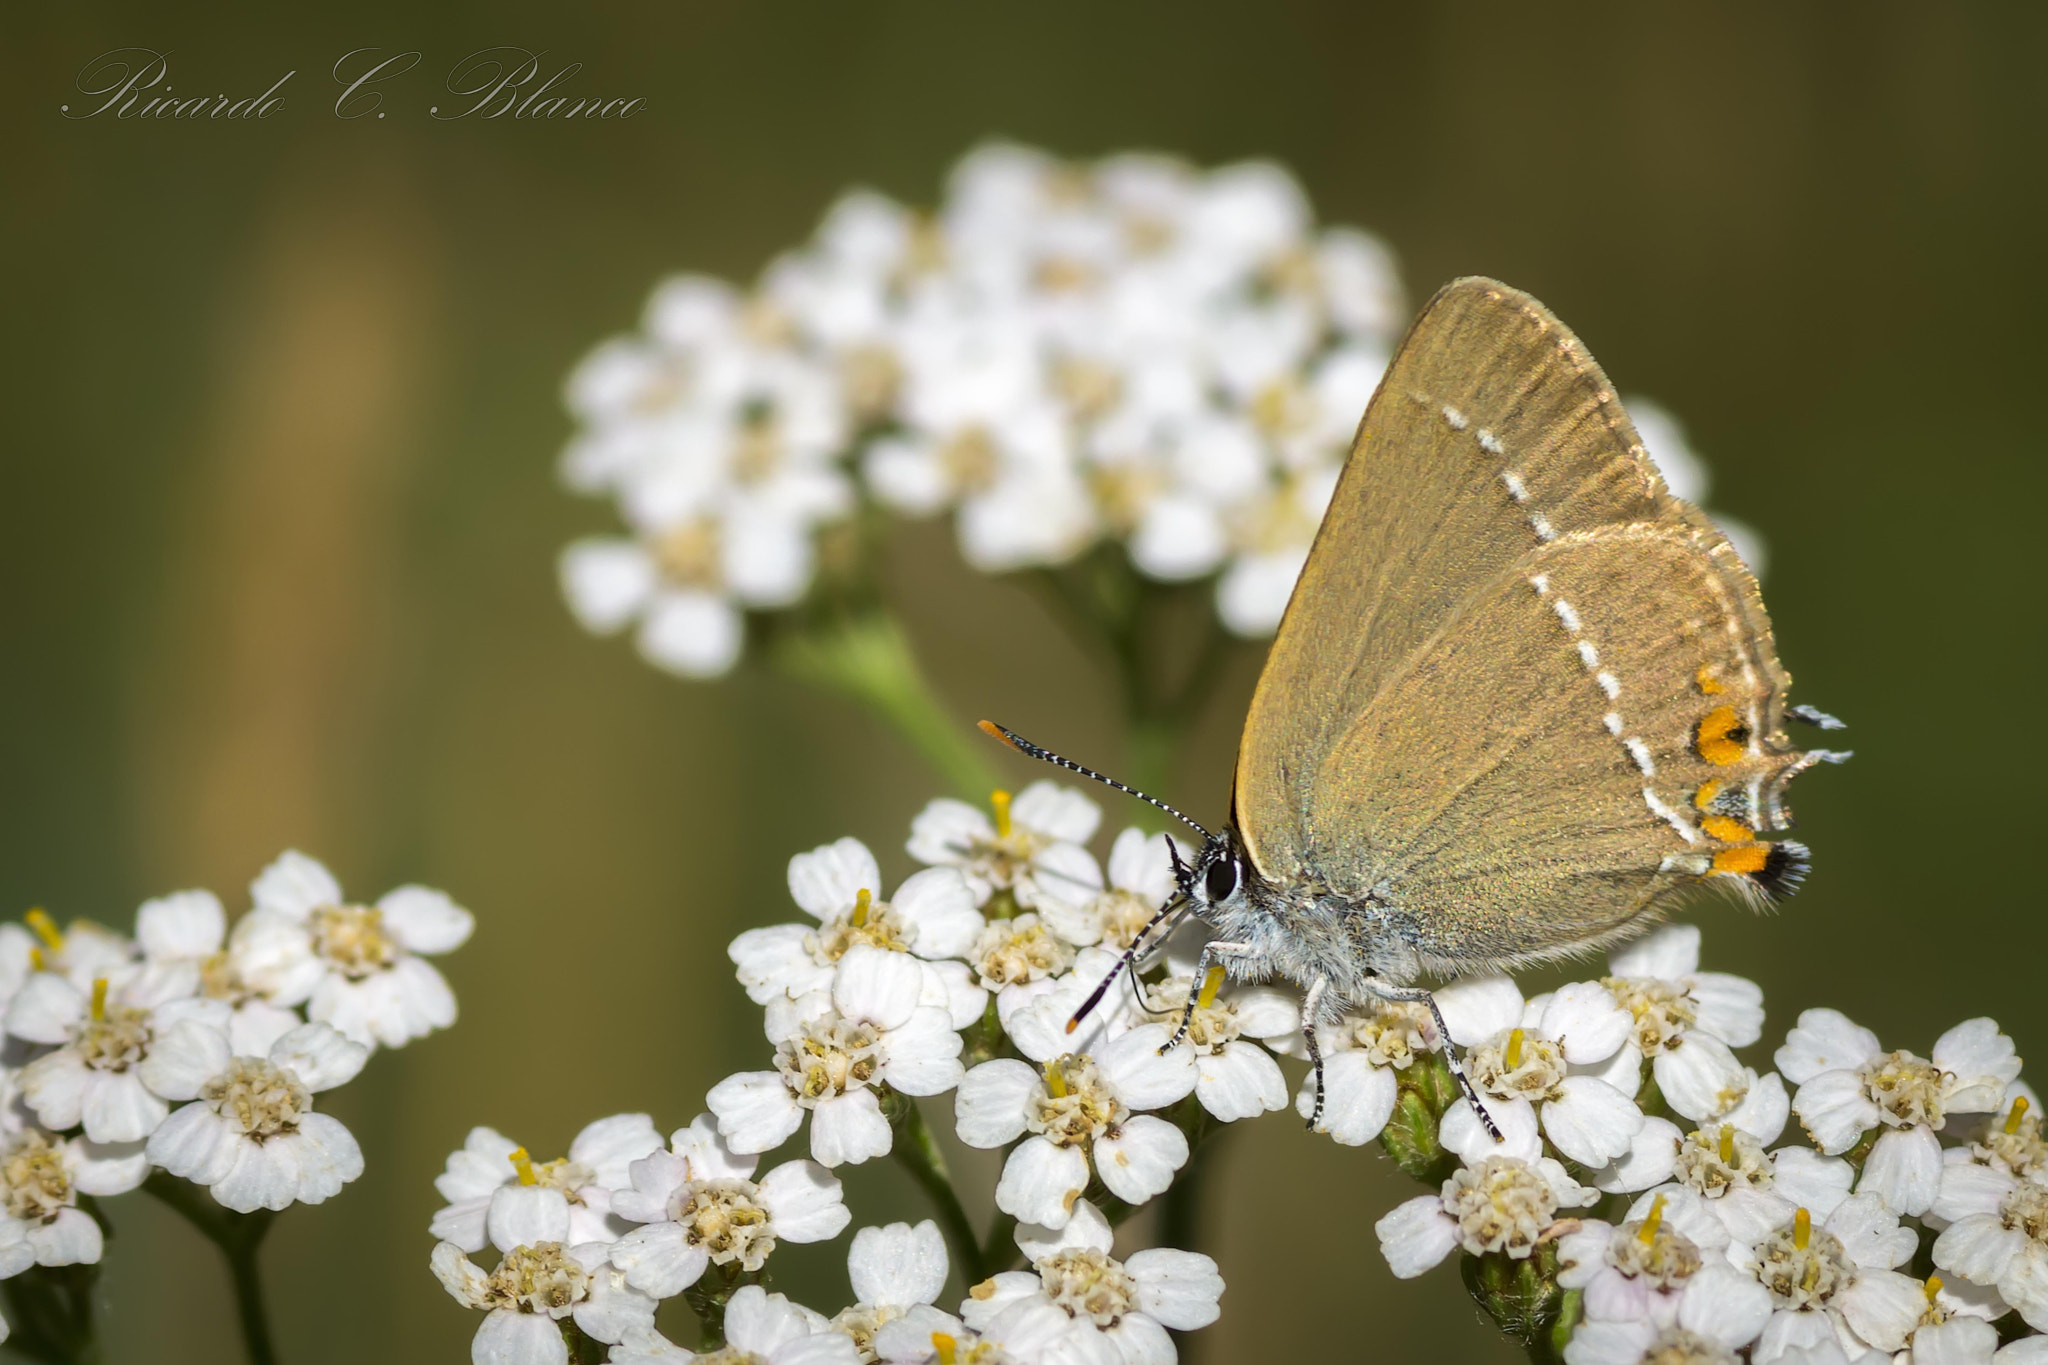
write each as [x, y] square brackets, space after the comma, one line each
[1137, 1159]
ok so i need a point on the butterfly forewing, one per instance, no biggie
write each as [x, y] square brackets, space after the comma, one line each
[1492, 432]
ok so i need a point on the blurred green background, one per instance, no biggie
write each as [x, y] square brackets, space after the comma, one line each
[278, 535]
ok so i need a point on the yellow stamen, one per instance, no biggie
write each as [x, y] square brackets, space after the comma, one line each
[46, 929]
[1653, 1222]
[1728, 1144]
[943, 1347]
[99, 998]
[1211, 984]
[35, 960]
[523, 1164]
[2019, 1111]
[1513, 1057]
[1001, 801]
[1055, 1080]
[1933, 1287]
[1802, 1229]
[862, 899]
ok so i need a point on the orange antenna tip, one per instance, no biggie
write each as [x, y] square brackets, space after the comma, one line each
[995, 731]
[1073, 1023]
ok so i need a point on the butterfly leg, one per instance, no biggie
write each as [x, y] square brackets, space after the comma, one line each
[1310, 1005]
[1212, 949]
[1416, 995]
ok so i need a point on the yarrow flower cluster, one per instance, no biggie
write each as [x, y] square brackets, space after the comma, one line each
[1630, 1195]
[197, 1049]
[1133, 353]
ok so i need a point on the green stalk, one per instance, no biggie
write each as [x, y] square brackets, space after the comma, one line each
[917, 1151]
[239, 1237]
[867, 658]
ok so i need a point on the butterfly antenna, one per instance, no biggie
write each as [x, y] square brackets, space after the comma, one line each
[1025, 746]
[1129, 955]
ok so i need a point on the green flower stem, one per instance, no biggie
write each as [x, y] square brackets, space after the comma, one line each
[1180, 1208]
[999, 1248]
[868, 658]
[708, 1298]
[239, 1237]
[50, 1311]
[917, 1151]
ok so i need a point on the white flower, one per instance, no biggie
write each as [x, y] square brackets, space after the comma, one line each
[1033, 850]
[1140, 881]
[540, 1280]
[1687, 1020]
[183, 939]
[1753, 1192]
[1836, 1278]
[1031, 1330]
[250, 1133]
[41, 1177]
[1555, 1063]
[1078, 1109]
[894, 1269]
[932, 916]
[1130, 1302]
[82, 953]
[699, 1204]
[1504, 1203]
[870, 1031]
[356, 967]
[598, 1162]
[96, 1074]
[1848, 1085]
[1235, 1078]
[760, 1329]
[1361, 1054]
[1996, 1235]
[1665, 1266]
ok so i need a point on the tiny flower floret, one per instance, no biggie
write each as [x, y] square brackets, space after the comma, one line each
[38, 1182]
[1907, 1090]
[1722, 1157]
[1803, 1266]
[258, 1096]
[2014, 1141]
[1088, 1284]
[1212, 1027]
[542, 1278]
[352, 938]
[1393, 1035]
[1653, 1252]
[1012, 952]
[870, 922]
[1500, 1205]
[828, 1056]
[1519, 1066]
[1076, 1106]
[726, 1220]
[112, 1039]
[1663, 1010]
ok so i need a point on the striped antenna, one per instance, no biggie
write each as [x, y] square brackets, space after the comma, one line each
[1025, 746]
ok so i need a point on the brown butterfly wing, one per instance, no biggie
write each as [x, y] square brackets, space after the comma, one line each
[1582, 735]
[1492, 431]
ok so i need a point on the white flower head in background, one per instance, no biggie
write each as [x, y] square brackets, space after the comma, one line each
[357, 967]
[41, 1177]
[698, 1204]
[1034, 848]
[1849, 1085]
[250, 1133]
[81, 953]
[1835, 1279]
[932, 916]
[599, 1161]
[870, 1031]
[1131, 1301]
[96, 1074]
[896, 1271]
[183, 938]
[1995, 1235]
[539, 1280]
[1079, 1110]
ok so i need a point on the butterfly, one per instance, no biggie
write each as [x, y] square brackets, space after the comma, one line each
[1522, 700]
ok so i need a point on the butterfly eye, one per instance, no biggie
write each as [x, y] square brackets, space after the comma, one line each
[1220, 880]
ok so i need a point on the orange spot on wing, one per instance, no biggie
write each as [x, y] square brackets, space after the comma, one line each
[1704, 797]
[1721, 737]
[1745, 859]
[1709, 684]
[1726, 830]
